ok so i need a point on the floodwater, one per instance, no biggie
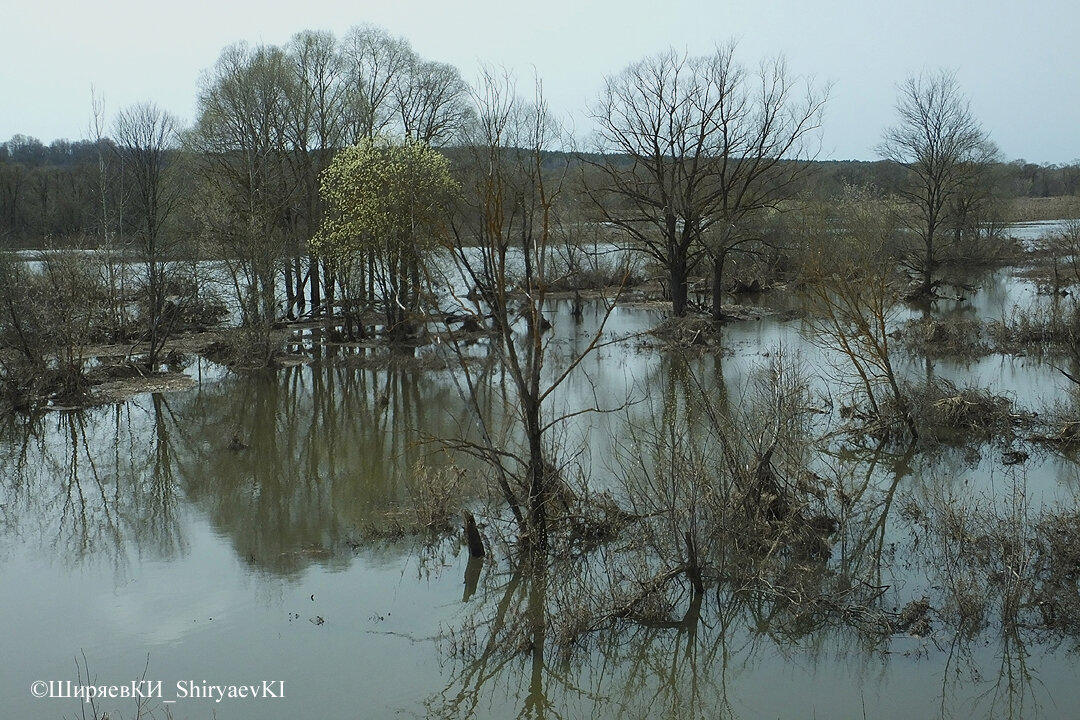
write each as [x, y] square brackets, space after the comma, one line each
[139, 542]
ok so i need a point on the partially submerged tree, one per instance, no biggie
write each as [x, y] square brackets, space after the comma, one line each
[693, 148]
[505, 232]
[853, 289]
[146, 139]
[241, 138]
[387, 201]
[316, 130]
[49, 315]
[946, 153]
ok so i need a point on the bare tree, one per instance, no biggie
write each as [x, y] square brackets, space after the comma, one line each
[112, 267]
[432, 101]
[763, 125]
[146, 137]
[242, 141]
[655, 142]
[504, 235]
[946, 153]
[374, 61]
[318, 122]
[693, 146]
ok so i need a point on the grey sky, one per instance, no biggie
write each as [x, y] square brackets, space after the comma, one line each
[1017, 62]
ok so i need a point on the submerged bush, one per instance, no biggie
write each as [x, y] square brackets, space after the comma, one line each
[1003, 563]
[941, 407]
[48, 316]
[936, 337]
[582, 269]
[1043, 327]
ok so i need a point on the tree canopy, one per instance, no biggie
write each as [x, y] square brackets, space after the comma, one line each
[383, 196]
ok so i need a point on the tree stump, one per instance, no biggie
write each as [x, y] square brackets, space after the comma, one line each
[472, 535]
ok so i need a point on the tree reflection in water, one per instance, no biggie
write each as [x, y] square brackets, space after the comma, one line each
[320, 456]
[620, 629]
[608, 623]
[96, 483]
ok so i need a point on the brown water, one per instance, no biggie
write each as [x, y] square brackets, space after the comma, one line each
[136, 543]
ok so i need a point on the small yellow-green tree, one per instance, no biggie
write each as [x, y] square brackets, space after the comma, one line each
[386, 203]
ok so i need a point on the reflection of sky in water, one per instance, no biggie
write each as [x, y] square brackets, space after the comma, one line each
[207, 617]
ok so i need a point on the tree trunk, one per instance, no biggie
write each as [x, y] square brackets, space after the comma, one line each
[718, 288]
[314, 290]
[537, 476]
[679, 285]
[290, 291]
[693, 569]
[927, 287]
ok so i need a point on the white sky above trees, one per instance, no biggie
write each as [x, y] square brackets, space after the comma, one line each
[1019, 63]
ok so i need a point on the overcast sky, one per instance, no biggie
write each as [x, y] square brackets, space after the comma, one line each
[1018, 62]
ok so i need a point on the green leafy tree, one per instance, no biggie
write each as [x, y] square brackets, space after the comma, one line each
[388, 202]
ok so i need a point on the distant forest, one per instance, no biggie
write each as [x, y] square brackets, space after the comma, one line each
[55, 193]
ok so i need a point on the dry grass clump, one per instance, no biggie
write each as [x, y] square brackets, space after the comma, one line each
[433, 508]
[686, 332]
[1041, 327]
[436, 497]
[942, 407]
[937, 337]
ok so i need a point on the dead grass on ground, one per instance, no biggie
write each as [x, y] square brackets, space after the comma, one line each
[936, 337]
[1035, 209]
[947, 411]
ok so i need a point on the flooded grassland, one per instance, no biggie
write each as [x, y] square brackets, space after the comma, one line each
[736, 542]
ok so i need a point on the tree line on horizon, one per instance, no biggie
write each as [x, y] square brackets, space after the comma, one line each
[53, 191]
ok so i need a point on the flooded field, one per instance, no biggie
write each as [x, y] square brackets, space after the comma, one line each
[243, 531]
